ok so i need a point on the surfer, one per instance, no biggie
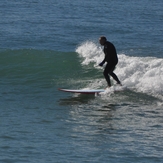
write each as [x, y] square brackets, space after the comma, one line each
[111, 58]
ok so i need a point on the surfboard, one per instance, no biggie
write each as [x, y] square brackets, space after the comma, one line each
[83, 91]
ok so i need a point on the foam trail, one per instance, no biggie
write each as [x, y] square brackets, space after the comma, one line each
[144, 74]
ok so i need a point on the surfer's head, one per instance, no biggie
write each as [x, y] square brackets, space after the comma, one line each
[102, 40]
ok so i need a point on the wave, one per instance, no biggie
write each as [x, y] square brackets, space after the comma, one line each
[46, 69]
[143, 74]
[29, 66]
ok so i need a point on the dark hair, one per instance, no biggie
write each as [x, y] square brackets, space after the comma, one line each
[103, 38]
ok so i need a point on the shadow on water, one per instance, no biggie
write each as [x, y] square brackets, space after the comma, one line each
[76, 99]
[140, 97]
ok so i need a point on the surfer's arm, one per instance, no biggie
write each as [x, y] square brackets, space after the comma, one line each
[105, 60]
[101, 64]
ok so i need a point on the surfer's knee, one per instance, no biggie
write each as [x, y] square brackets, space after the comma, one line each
[105, 73]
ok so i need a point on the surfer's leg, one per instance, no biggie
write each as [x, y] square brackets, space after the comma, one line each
[110, 70]
[115, 77]
[106, 75]
[107, 78]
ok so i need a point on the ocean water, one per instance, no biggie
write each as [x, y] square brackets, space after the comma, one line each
[46, 45]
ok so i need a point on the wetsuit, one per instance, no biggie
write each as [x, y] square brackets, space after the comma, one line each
[111, 59]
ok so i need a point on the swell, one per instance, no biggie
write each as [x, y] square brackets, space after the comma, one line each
[26, 66]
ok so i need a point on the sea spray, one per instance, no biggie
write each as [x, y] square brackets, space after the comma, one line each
[90, 52]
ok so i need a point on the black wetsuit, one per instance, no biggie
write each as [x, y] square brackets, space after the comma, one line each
[112, 60]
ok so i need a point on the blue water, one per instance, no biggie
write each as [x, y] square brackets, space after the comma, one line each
[46, 45]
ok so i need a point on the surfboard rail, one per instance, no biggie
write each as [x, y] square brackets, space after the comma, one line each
[82, 91]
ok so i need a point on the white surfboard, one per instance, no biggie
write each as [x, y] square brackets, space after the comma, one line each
[83, 91]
